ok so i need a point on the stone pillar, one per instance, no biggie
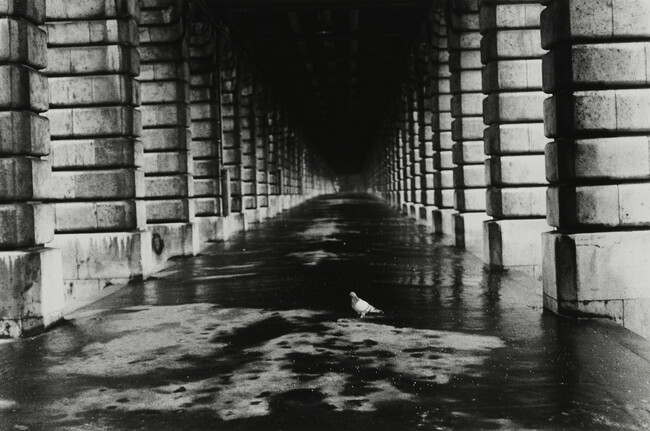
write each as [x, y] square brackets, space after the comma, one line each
[596, 263]
[514, 139]
[247, 136]
[428, 118]
[166, 117]
[467, 128]
[97, 157]
[405, 146]
[205, 146]
[31, 287]
[443, 177]
[413, 139]
[274, 138]
[262, 137]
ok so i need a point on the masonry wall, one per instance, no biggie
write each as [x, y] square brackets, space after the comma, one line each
[132, 131]
[499, 141]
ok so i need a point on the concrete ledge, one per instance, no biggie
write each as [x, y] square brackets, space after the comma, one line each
[171, 240]
[31, 291]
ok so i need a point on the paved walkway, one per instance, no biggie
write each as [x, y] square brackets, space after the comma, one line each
[257, 334]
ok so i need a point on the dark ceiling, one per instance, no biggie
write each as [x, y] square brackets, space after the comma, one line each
[334, 63]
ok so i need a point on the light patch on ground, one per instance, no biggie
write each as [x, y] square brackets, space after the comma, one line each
[313, 258]
[352, 364]
[320, 230]
[6, 404]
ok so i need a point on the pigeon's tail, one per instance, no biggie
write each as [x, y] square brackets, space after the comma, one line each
[375, 310]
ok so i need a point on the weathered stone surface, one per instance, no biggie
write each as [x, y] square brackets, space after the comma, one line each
[511, 44]
[92, 59]
[33, 11]
[515, 170]
[24, 133]
[169, 210]
[99, 152]
[94, 121]
[110, 31]
[512, 75]
[514, 107]
[91, 9]
[166, 138]
[469, 200]
[177, 162]
[515, 138]
[99, 216]
[613, 205]
[23, 179]
[31, 290]
[500, 16]
[516, 202]
[25, 225]
[23, 88]
[170, 186]
[97, 184]
[27, 43]
[94, 90]
[514, 243]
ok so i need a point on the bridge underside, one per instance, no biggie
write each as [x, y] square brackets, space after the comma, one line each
[135, 131]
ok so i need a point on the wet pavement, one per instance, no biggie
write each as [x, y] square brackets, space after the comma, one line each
[257, 333]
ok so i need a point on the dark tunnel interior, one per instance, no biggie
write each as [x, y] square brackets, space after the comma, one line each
[335, 64]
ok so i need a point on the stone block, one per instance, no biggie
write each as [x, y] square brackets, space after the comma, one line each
[512, 75]
[467, 104]
[516, 202]
[468, 153]
[511, 44]
[177, 239]
[528, 170]
[158, 34]
[33, 11]
[444, 198]
[24, 133]
[164, 71]
[514, 107]
[92, 59]
[23, 179]
[208, 206]
[23, 88]
[205, 129]
[594, 20]
[468, 231]
[614, 205]
[169, 186]
[467, 128]
[594, 66]
[206, 187]
[500, 16]
[465, 40]
[100, 152]
[204, 111]
[444, 179]
[173, 162]
[99, 216]
[515, 138]
[169, 210]
[162, 53]
[101, 121]
[166, 115]
[205, 169]
[93, 90]
[469, 176]
[97, 184]
[25, 225]
[466, 81]
[31, 290]
[605, 266]
[514, 243]
[205, 149]
[443, 221]
[618, 158]
[469, 200]
[464, 60]
[104, 256]
[91, 9]
[105, 32]
[27, 43]
[166, 139]
[446, 120]
[165, 92]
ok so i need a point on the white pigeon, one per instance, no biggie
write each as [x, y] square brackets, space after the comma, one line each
[361, 306]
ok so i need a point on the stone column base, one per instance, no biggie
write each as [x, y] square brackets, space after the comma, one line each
[425, 217]
[514, 244]
[599, 275]
[173, 239]
[93, 261]
[31, 291]
[230, 225]
[208, 228]
[443, 221]
[468, 232]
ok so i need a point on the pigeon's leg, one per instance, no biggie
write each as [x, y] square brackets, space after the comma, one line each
[363, 315]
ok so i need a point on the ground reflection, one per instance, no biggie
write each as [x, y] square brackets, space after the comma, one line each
[257, 333]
